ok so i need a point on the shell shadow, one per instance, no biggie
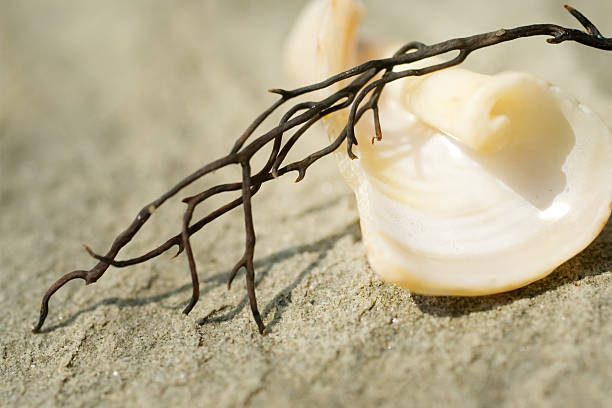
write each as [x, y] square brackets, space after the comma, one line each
[595, 260]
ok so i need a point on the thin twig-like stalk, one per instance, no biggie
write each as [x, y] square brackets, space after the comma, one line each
[366, 79]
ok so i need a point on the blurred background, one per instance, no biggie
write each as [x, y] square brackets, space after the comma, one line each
[165, 76]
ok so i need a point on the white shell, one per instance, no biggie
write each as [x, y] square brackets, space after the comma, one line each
[481, 184]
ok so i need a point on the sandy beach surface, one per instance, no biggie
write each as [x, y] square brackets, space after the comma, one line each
[105, 105]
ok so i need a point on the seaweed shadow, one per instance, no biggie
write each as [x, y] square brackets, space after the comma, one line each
[263, 267]
[595, 260]
[283, 298]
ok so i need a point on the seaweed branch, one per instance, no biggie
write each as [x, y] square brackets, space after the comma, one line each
[367, 79]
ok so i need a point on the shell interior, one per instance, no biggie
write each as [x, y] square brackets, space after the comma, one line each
[481, 184]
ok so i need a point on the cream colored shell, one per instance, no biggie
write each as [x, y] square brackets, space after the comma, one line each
[481, 184]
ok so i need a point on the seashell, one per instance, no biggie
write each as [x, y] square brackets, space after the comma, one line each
[481, 184]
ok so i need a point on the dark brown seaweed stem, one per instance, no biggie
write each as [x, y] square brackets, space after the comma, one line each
[249, 251]
[299, 119]
[412, 46]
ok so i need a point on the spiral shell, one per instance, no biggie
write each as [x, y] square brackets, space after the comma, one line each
[481, 184]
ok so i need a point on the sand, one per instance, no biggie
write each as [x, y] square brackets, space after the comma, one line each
[105, 105]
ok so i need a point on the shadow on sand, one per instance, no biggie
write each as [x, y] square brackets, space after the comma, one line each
[263, 267]
[596, 259]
